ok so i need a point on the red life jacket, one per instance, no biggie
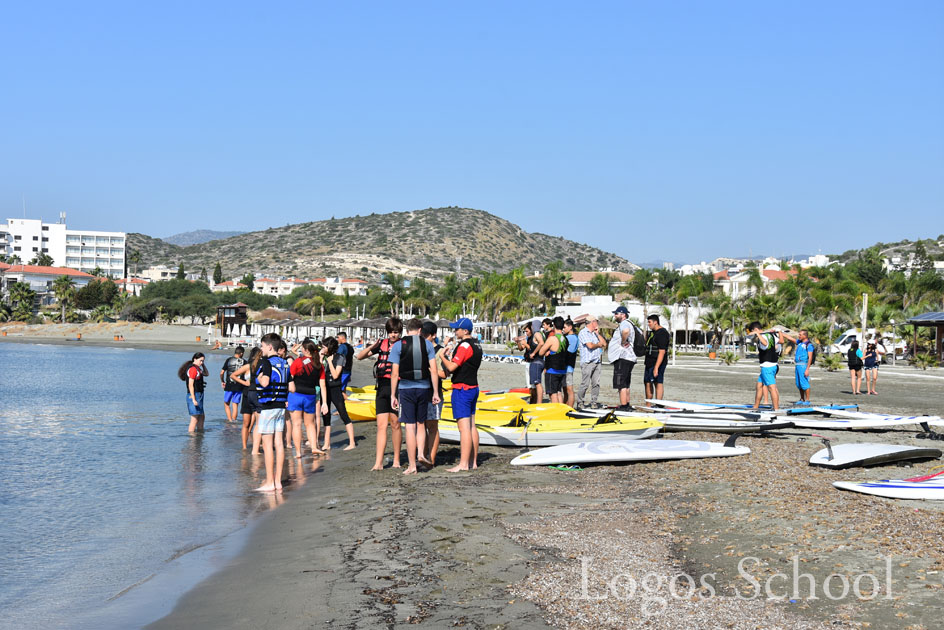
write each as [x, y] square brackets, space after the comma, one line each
[383, 367]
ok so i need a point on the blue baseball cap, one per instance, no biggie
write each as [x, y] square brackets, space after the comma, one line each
[465, 323]
[621, 309]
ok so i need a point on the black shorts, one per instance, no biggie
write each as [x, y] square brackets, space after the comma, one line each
[622, 373]
[649, 378]
[382, 401]
[250, 402]
[554, 383]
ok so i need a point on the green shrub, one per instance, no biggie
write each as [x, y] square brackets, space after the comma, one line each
[923, 361]
[830, 362]
[729, 358]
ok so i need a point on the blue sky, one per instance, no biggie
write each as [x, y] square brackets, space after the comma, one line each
[728, 126]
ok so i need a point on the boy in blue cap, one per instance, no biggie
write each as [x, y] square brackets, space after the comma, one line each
[464, 366]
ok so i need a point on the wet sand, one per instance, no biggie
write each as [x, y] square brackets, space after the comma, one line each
[510, 548]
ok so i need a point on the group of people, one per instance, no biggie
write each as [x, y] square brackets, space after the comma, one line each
[551, 349]
[770, 345]
[278, 390]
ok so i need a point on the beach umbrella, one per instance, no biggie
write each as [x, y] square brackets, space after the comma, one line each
[229, 330]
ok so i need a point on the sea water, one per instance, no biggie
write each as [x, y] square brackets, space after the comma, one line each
[109, 509]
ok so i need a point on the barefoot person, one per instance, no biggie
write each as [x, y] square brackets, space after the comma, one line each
[464, 366]
[304, 401]
[435, 411]
[768, 354]
[386, 415]
[232, 391]
[414, 383]
[573, 346]
[345, 350]
[871, 361]
[272, 380]
[854, 357]
[803, 358]
[249, 407]
[331, 393]
[193, 372]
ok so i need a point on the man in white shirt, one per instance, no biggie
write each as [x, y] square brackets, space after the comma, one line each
[591, 344]
[620, 354]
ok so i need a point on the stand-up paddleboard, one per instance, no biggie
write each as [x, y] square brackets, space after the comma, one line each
[922, 421]
[626, 451]
[866, 454]
[709, 407]
[547, 434]
[867, 423]
[929, 487]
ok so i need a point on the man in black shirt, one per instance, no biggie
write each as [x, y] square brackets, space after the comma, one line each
[657, 350]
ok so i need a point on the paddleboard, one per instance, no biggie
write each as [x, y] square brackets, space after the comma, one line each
[853, 423]
[931, 421]
[544, 435]
[710, 422]
[690, 406]
[929, 488]
[866, 454]
[625, 451]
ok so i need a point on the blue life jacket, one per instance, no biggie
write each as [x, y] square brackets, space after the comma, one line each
[277, 389]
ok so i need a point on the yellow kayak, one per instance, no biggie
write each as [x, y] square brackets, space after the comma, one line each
[523, 432]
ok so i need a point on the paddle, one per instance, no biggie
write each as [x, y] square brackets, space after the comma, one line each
[926, 477]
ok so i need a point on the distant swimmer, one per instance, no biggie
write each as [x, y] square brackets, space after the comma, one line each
[232, 391]
[386, 415]
[331, 391]
[464, 366]
[193, 372]
[414, 383]
[304, 396]
[272, 379]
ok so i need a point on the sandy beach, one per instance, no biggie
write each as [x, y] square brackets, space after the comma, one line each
[506, 547]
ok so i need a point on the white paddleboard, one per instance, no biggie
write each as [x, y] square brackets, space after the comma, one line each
[928, 489]
[625, 451]
[933, 421]
[854, 423]
[865, 454]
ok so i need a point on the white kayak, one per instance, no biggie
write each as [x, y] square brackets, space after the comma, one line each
[518, 436]
[625, 451]
[929, 488]
[710, 422]
[866, 454]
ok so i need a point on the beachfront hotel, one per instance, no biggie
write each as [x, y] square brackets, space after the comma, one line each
[77, 249]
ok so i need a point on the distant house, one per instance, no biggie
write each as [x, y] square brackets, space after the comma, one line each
[134, 286]
[734, 282]
[580, 281]
[226, 287]
[284, 286]
[40, 279]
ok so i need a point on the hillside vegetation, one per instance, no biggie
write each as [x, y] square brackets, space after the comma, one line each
[198, 236]
[423, 243]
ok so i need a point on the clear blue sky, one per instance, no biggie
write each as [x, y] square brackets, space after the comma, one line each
[779, 127]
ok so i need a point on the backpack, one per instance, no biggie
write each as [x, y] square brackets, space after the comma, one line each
[639, 341]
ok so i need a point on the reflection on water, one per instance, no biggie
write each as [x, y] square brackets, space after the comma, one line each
[101, 484]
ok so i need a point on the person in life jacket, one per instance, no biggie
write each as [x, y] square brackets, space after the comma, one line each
[192, 373]
[530, 342]
[464, 366]
[769, 344]
[331, 392]
[414, 383]
[386, 415]
[272, 377]
[573, 345]
[304, 396]
[554, 351]
[232, 391]
[249, 407]
[345, 350]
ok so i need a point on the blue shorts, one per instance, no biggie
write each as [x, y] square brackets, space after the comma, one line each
[195, 410]
[464, 402]
[535, 373]
[232, 397]
[802, 382]
[414, 405]
[271, 421]
[649, 378]
[345, 379]
[435, 411]
[768, 375]
[306, 403]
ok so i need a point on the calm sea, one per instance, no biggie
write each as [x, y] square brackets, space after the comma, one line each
[109, 510]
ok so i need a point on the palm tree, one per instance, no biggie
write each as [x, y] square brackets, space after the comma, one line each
[42, 259]
[713, 321]
[397, 291]
[600, 284]
[134, 257]
[21, 299]
[554, 284]
[64, 289]
[639, 287]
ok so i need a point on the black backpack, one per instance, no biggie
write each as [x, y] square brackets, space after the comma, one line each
[639, 341]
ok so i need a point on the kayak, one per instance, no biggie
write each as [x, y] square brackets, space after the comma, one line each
[538, 433]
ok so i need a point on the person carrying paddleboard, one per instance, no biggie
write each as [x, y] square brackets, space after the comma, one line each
[769, 344]
[464, 366]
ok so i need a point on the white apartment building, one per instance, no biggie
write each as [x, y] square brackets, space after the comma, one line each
[76, 249]
[39, 279]
[284, 286]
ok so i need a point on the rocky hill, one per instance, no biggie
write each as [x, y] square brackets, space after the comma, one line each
[423, 243]
[198, 236]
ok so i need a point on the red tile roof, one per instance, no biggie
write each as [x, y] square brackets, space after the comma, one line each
[48, 271]
[229, 283]
[358, 280]
[258, 280]
[721, 275]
